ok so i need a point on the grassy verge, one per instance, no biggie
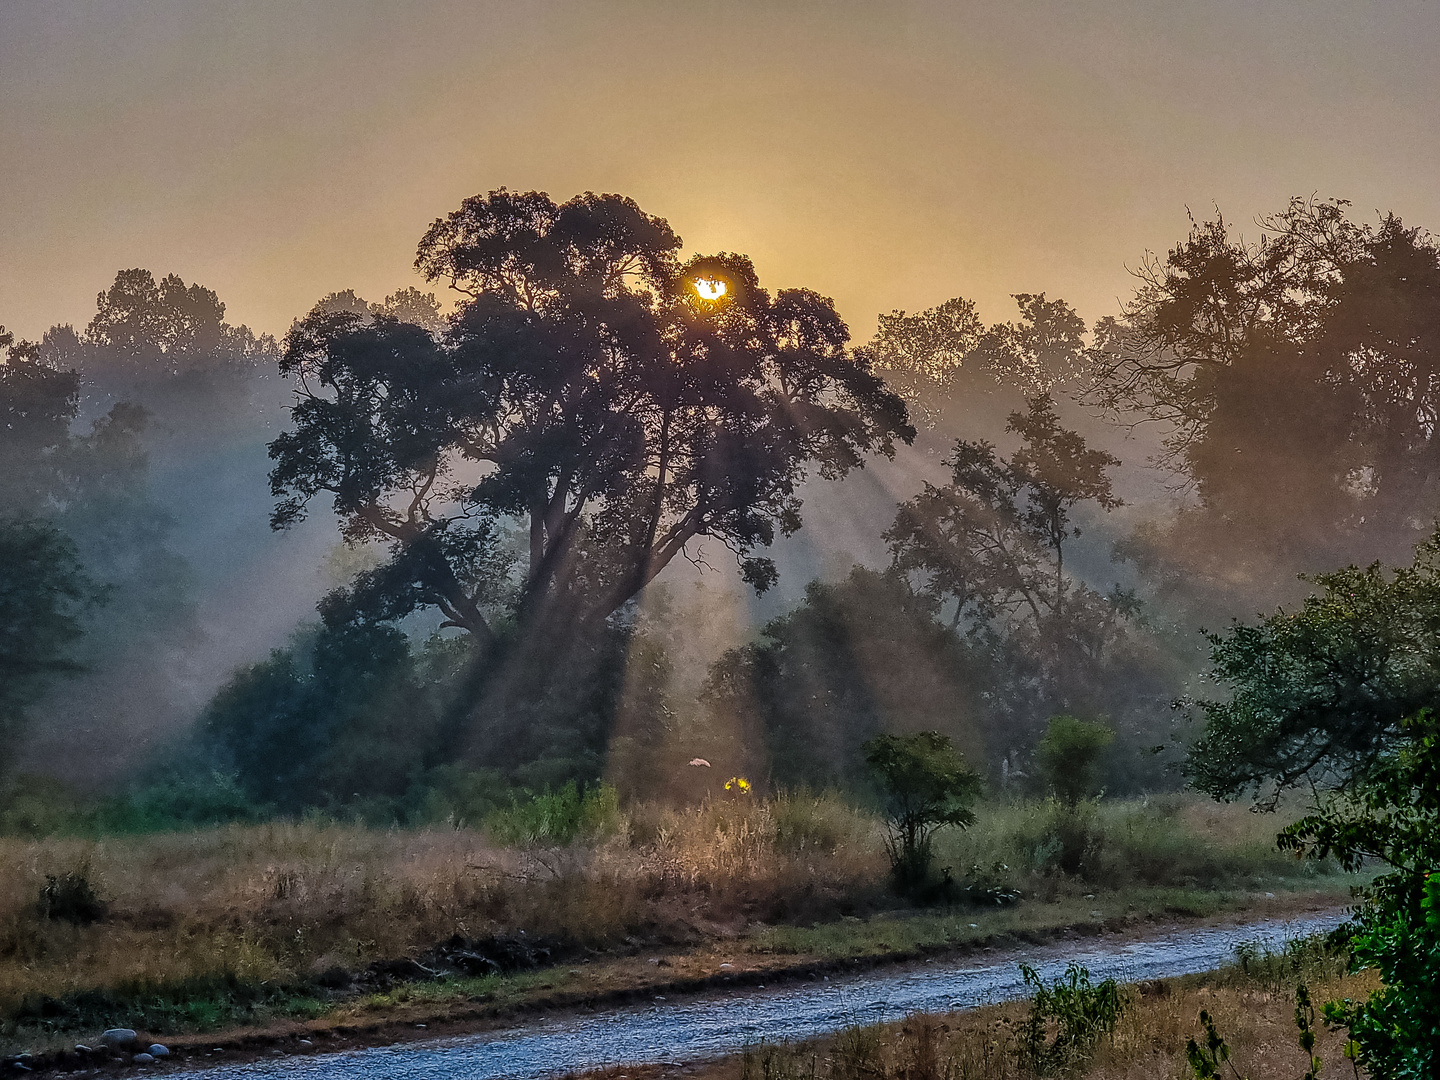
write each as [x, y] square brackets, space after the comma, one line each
[1252, 1006]
[245, 926]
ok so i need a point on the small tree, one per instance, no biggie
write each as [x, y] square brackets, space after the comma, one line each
[1069, 753]
[926, 785]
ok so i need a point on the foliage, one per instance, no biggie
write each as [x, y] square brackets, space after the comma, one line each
[1342, 692]
[1069, 756]
[1080, 1014]
[1207, 1062]
[95, 489]
[1210, 298]
[1308, 355]
[856, 658]
[554, 819]
[43, 593]
[37, 404]
[619, 414]
[926, 785]
[1391, 813]
[933, 356]
[142, 327]
[338, 714]
[989, 550]
[1317, 694]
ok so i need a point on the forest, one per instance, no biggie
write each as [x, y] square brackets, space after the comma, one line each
[596, 538]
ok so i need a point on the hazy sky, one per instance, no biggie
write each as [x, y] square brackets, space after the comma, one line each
[889, 154]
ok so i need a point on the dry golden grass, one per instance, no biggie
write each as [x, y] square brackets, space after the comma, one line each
[283, 901]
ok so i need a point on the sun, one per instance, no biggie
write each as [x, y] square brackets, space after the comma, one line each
[710, 288]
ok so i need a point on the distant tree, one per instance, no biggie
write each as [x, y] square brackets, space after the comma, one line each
[616, 409]
[90, 494]
[43, 593]
[339, 713]
[857, 658]
[989, 549]
[1069, 756]
[410, 305]
[934, 356]
[1213, 296]
[37, 405]
[926, 786]
[922, 355]
[144, 328]
[1297, 377]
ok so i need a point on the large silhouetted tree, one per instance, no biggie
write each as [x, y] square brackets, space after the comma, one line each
[617, 403]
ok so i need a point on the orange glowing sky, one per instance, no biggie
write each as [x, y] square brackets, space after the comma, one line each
[889, 154]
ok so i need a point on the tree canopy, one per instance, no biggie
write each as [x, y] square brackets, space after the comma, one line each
[1296, 378]
[926, 785]
[936, 356]
[989, 549]
[148, 328]
[43, 592]
[585, 388]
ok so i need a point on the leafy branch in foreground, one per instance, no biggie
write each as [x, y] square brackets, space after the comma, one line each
[1207, 1061]
[1392, 816]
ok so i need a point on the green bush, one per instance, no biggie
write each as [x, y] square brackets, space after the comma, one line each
[926, 786]
[1080, 1015]
[1069, 756]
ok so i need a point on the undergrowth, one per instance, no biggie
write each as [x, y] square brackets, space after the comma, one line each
[136, 918]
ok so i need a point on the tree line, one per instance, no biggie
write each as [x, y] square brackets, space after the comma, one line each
[515, 474]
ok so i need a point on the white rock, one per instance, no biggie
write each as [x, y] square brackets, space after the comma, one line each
[159, 1050]
[118, 1037]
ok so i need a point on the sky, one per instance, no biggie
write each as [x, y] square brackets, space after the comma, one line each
[887, 154]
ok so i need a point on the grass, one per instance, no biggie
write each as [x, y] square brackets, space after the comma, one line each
[235, 924]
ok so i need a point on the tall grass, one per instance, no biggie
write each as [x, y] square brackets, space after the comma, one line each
[1169, 840]
[282, 902]
[287, 900]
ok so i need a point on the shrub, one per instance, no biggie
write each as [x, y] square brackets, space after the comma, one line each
[1069, 754]
[71, 898]
[926, 785]
[1081, 1014]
